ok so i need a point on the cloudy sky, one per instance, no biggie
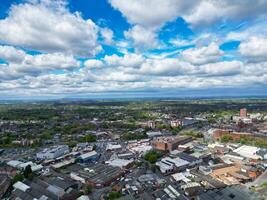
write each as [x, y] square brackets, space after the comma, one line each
[132, 48]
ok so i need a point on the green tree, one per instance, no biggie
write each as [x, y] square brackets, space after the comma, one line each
[152, 156]
[17, 177]
[114, 195]
[226, 138]
[88, 138]
[87, 189]
[27, 172]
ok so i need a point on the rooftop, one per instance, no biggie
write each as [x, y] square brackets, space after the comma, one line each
[100, 173]
[227, 193]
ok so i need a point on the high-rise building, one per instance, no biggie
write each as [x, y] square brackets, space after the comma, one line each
[243, 112]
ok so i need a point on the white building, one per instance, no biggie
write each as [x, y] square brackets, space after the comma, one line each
[53, 152]
[168, 164]
[121, 163]
[140, 148]
[246, 120]
[248, 152]
[112, 147]
[21, 165]
[176, 123]
[182, 177]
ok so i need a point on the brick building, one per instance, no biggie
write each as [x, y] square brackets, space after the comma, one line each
[170, 143]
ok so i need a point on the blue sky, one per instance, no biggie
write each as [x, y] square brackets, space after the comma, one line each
[121, 48]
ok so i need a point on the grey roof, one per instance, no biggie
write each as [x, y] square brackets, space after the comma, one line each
[45, 189]
[187, 157]
[61, 183]
[227, 193]
[101, 173]
[213, 182]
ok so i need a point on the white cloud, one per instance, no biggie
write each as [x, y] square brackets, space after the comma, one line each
[148, 17]
[45, 62]
[224, 68]
[259, 29]
[11, 54]
[128, 60]
[166, 67]
[48, 26]
[93, 63]
[6, 73]
[254, 49]
[151, 14]
[180, 42]
[19, 63]
[62, 37]
[203, 55]
[208, 12]
[142, 38]
[198, 13]
[119, 76]
[107, 35]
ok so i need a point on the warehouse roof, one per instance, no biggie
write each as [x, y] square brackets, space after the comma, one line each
[88, 155]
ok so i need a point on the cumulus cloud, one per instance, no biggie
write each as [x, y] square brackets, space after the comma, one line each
[61, 38]
[19, 63]
[254, 49]
[258, 29]
[93, 63]
[203, 55]
[148, 17]
[166, 67]
[107, 35]
[225, 68]
[46, 62]
[149, 13]
[208, 12]
[202, 12]
[11, 54]
[142, 38]
[128, 60]
[49, 27]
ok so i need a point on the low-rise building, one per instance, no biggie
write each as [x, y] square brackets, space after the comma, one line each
[152, 134]
[176, 123]
[98, 176]
[192, 189]
[21, 165]
[249, 152]
[121, 163]
[170, 143]
[5, 183]
[168, 165]
[193, 161]
[52, 188]
[139, 147]
[113, 147]
[88, 157]
[227, 193]
[53, 152]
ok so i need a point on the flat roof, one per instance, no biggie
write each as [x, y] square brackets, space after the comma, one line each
[248, 151]
[100, 173]
[88, 155]
[119, 162]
